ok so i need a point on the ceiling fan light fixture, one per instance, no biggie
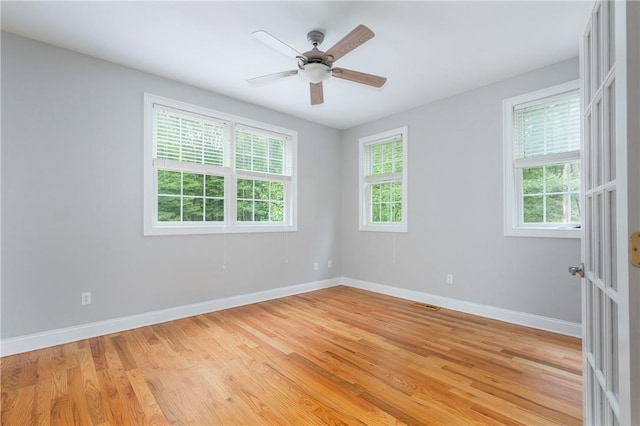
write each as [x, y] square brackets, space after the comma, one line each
[316, 66]
[315, 72]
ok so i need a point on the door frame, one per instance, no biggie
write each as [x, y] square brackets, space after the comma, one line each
[628, 144]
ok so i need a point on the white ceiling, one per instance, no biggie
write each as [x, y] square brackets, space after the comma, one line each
[428, 50]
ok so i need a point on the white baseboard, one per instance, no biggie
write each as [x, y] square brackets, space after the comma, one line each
[514, 317]
[60, 336]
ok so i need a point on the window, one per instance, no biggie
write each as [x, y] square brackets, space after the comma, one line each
[209, 172]
[542, 163]
[383, 181]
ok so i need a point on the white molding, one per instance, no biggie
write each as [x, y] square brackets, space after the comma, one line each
[514, 317]
[60, 336]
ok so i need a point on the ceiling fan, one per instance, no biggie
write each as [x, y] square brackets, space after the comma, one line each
[316, 66]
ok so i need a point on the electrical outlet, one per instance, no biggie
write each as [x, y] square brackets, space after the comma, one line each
[315, 266]
[330, 264]
[449, 278]
[85, 298]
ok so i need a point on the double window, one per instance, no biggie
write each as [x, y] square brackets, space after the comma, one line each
[383, 181]
[542, 163]
[208, 172]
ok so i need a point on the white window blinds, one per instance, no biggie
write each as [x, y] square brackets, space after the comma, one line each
[547, 127]
[262, 151]
[185, 137]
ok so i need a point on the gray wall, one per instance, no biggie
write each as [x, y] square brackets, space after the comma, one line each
[72, 198]
[455, 210]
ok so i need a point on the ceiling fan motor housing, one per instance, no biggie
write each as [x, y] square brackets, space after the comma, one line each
[315, 37]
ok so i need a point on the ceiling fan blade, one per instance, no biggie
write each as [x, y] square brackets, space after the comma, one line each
[271, 77]
[355, 38]
[359, 77]
[276, 44]
[317, 95]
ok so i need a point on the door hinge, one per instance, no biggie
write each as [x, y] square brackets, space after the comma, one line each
[634, 249]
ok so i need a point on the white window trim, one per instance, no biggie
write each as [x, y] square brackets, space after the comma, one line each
[512, 226]
[153, 227]
[365, 200]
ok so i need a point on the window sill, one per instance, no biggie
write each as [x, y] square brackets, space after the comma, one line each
[544, 232]
[384, 228]
[203, 230]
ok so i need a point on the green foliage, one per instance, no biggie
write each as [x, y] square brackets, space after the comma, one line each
[386, 157]
[169, 182]
[534, 209]
[214, 209]
[214, 186]
[261, 189]
[192, 209]
[551, 193]
[386, 197]
[190, 197]
[277, 212]
[556, 210]
[533, 180]
[260, 201]
[386, 202]
[168, 209]
[193, 184]
[245, 211]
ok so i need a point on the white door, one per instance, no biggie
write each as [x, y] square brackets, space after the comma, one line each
[610, 147]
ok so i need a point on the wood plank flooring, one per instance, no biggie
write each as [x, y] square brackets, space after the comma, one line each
[334, 356]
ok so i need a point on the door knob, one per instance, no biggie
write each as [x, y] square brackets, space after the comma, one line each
[577, 270]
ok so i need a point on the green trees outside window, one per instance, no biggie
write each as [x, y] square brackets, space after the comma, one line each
[551, 194]
[193, 197]
[386, 202]
[190, 197]
[386, 157]
[260, 201]
[386, 197]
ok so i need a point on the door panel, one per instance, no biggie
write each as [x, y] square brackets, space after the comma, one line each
[611, 106]
[600, 310]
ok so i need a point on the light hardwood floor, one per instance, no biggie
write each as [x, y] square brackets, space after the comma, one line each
[333, 356]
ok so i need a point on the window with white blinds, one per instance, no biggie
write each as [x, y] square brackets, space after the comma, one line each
[209, 172]
[383, 181]
[546, 127]
[260, 151]
[189, 138]
[542, 162]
